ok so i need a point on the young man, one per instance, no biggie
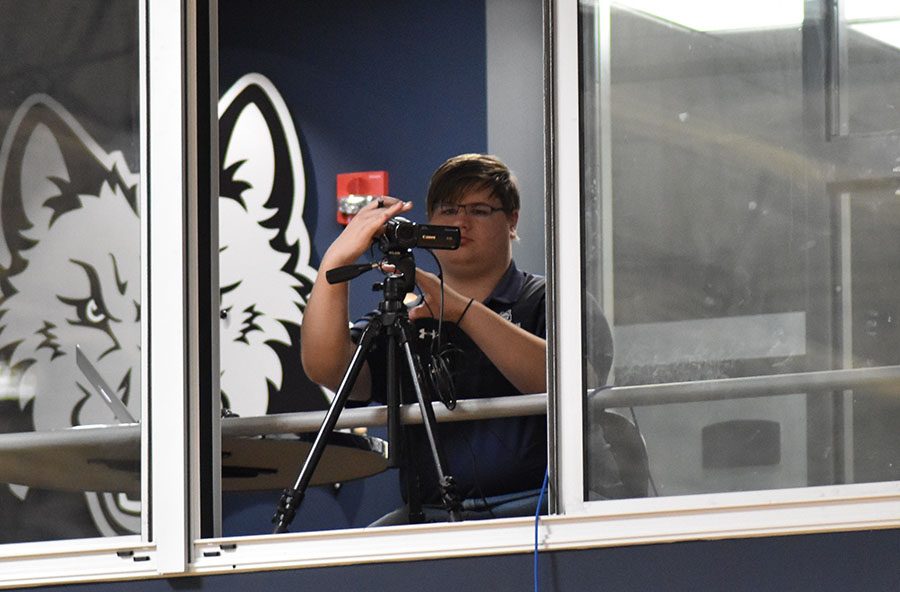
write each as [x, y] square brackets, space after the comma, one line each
[494, 315]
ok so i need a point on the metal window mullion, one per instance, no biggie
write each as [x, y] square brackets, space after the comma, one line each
[146, 530]
[604, 31]
[201, 160]
[566, 385]
[837, 64]
[165, 178]
[846, 303]
[212, 288]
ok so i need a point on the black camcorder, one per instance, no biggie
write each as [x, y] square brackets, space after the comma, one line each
[396, 240]
[400, 233]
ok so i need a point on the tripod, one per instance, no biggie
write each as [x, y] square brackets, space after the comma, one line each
[392, 320]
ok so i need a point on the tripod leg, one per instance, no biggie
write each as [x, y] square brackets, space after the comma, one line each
[448, 487]
[293, 496]
[413, 484]
[395, 452]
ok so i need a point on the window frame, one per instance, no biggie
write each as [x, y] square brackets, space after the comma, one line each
[751, 513]
[578, 524]
[170, 544]
[173, 446]
[162, 546]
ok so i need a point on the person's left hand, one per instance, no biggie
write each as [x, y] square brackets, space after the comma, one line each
[454, 302]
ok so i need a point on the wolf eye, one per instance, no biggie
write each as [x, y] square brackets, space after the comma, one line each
[88, 311]
[93, 313]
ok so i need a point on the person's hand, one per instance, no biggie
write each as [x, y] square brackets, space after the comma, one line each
[454, 302]
[362, 230]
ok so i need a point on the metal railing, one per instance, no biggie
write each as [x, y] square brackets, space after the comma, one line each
[883, 378]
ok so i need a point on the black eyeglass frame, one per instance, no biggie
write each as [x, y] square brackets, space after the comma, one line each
[465, 207]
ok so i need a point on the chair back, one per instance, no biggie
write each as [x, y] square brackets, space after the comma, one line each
[630, 451]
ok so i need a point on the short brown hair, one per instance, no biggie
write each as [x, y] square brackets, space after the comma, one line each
[472, 172]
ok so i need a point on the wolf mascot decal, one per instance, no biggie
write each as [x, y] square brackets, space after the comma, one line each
[264, 253]
[70, 274]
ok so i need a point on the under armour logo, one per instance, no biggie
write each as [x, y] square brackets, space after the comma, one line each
[506, 314]
[423, 333]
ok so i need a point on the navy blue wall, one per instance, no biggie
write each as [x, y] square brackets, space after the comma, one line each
[811, 563]
[396, 86]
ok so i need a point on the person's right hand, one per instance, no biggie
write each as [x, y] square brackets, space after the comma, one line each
[362, 230]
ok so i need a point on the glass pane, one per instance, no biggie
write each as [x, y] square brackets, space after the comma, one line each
[70, 271]
[291, 128]
[730, 254]
[872, 65]
[870, 228]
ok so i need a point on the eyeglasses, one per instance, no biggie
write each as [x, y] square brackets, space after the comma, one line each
[475, 210]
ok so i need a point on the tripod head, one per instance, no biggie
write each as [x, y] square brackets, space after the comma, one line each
[395, 286]
[402, 281]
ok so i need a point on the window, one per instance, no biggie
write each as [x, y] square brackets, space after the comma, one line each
[741, 251]
[723, 198]
[336, 105]
[79, 278]
[72, 325]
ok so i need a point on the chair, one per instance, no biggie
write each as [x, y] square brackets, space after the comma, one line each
[629, 451]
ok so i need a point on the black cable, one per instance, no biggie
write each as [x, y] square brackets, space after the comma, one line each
[439, 372]
[441, 316]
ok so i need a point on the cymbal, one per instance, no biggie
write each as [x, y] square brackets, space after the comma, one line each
[107, 458]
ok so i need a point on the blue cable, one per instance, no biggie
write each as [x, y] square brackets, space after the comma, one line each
[537, 518]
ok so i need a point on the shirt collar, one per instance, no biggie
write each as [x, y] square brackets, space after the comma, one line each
[509, 287]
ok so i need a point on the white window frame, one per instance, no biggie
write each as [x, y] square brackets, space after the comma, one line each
[172, 438]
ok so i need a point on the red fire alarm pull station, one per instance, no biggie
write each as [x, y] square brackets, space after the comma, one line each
[354, 190]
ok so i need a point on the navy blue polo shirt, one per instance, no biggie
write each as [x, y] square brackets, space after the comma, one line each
[489, 456]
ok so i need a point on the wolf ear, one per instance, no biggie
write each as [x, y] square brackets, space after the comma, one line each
[47, 161]
[260, 158]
